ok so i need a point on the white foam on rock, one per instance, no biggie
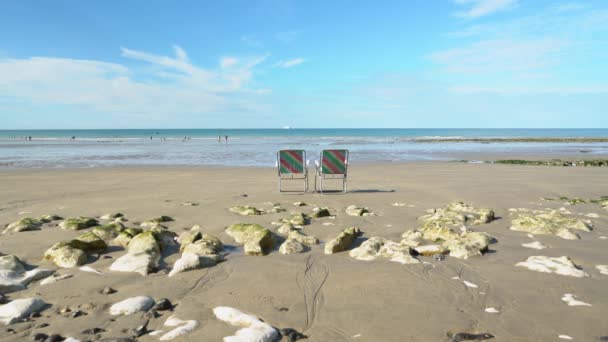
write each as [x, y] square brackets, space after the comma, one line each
[491, 310]
[183, 328]
[562, 266]
[569, 299]
[565, 337]
[253, 328]
[603, 269]
[131, 305]
[20, 308]
[534, 245]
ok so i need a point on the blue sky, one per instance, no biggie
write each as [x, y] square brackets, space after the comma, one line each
[270, 63]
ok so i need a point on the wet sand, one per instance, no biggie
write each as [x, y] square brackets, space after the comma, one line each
[327, 297]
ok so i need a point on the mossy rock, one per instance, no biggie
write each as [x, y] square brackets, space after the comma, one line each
[112, 216]
[320, 212]
[24, 224]
[49, 218]
[353, 210]
[125, 236]
[91, 243]
[343, 241]
[78, 223]
[145, 242]
[256, 239]
[246, 210]
[108, 231]
[297, 219]
[63, 254]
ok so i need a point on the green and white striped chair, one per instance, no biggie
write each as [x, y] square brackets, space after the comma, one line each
[333, 165]
[291, 166]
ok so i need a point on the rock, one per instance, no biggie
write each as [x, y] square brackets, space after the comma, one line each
[39, 337]
[14, 277]
[377, 247]
[92, 331]
[411, 238]
[602, 268]
[126, 235]
[116, 339]
[205, 252]
[299, 204]
[141, 329]
[277, 209]
[189, 237]
[430, 250]
[246, 210]
[55, 278]
[286, 228]
[24, 224]
[256, 239]
[571, 301]
[343, 241]
[534, 245]
[461, 337]
[47, 218]
[353, 210]
[163, 304]
[111, 216]
[131, 305]
[292, 334]
[143, 255]
[297, 219]
[189, 204]
[64, 254]
[20, 308]
[297, 235]
[320, 212]
[467, 244]
[562, 265]
[108, 290]
[291, 246]
[108, 231]
[182, 328]
[56, 338]
[549, 222]
[253, 329]
[78, 223]
[92, 243]
[156, 221]
[458, 214]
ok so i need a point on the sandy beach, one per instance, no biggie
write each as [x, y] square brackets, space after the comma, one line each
[326, 297]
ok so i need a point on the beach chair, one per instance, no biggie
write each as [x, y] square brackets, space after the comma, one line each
[333, 165]
[290, 166]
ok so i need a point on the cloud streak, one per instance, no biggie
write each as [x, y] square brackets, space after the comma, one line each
[290, 63]
[480, 8]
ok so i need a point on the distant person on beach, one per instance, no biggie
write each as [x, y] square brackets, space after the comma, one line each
[219, 139]
[29, 138]
[226, 138]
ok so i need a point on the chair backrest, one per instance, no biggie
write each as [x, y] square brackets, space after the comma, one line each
[334, 162]
[291, 161]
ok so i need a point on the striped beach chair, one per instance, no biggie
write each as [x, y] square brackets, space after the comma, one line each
[291, 166]
[333, 165]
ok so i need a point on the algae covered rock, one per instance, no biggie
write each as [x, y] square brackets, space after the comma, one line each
[91, 243]
[430, 250]
[411, 238]
[125, 236]
[203, 252]
[377, 247]
[157, 221]
[285, 228]
[78, 223]
[111, 216]
[297, 219]
[549, 222]
[320, 212]
[457, 214]
[108, 231]
[64, 254]
[256, 239]
[291, 246]
[18, 309]
[246, 210]
[343, 241]
[143, 255]
[354, 210]
[47, 218]
[24, 224]
[188, 237]
[14, 277]
[468, 244]
[297, 235]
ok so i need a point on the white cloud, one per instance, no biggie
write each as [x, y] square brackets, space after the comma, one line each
[480, 8]
[172, 85]
[499, 56]
[528, 89]
[227, 62]
[290, 63]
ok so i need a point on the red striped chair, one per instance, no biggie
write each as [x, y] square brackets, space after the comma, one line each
[291, 166]
[334, 165]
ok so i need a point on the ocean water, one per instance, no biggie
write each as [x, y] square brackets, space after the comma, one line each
[258, 147]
